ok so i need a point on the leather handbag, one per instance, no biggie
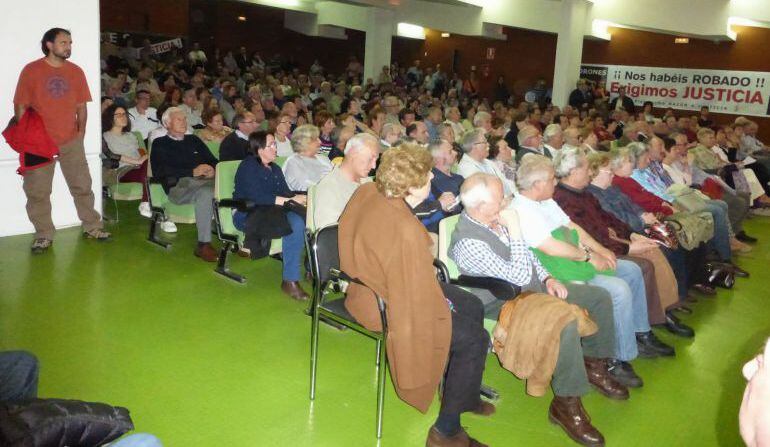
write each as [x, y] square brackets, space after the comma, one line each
[663, 233]
[720, 275]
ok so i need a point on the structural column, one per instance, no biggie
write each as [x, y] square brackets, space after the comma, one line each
[569, 49]
[379, 33]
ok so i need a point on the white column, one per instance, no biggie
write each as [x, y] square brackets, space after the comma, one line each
[379, 32]
[26, 22]
[569, 49]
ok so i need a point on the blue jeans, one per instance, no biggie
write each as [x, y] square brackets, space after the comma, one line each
[721, 240]
[137, 440]
[629, 306]
[18, 376]
[293, 247]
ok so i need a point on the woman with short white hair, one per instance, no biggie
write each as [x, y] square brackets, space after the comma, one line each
[305, 167]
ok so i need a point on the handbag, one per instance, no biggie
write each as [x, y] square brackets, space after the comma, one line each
[687, 199]
[663, 233]
[720, 275]
[692, 229]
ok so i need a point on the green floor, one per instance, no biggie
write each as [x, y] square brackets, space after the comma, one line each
[202, 361]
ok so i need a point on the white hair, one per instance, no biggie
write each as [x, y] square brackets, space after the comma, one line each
[533, 168]
[449, 110]
[359, 141]
[525, 133]
[469, 139]
[166, 118]
[551, 131]
[302, 135]
[479, 117]
[566, 160]
[477, 193]
[436, 147]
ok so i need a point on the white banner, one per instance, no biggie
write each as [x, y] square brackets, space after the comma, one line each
[162, 47]
[723, 91]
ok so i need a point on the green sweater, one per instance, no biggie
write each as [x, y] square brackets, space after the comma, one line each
[565, 269]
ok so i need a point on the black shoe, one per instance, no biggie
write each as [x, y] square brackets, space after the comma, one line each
[624, 373]
[648, 342]
[739, 272]
[676, 327]
[743, 237]
[683, 309]
[704, 289]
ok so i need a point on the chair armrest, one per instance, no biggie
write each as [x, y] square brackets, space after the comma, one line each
[238, 204]
[500, 289]
[442, 272]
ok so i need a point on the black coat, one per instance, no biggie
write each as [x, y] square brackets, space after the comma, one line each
[628, 104]
[233, 147]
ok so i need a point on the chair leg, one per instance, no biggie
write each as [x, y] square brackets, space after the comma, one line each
[382, 361]
[153, 236]
[377, 358]
[106, 196]
[314, 345]
[221, 267]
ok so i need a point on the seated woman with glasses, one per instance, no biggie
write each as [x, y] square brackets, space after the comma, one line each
[121, 145]
[261, 181]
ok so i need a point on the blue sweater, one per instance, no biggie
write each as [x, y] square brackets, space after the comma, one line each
[258, 184]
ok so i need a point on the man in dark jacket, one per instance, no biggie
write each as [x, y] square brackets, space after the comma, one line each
[624, 101]
[185, 167]
[581, 98]
[236, 145]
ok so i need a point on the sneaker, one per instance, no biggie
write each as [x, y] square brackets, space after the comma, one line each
[41, 245]
[144, 210]
[98, 234]
[168, 227]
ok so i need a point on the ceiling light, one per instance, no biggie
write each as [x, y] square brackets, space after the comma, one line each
[445, 34]
[241, 18]
[682, 40]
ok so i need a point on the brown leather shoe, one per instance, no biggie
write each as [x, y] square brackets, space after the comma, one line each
[461, 439]
[485, 409]
[596, 369]
[568, 412]
[206, 252]
[294, 290]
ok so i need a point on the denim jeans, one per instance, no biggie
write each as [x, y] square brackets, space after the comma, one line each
[18, 376]
[137, 440]
[293, 247]
[721, 240]
[629, 306]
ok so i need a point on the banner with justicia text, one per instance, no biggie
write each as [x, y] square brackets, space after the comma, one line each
[723, 91]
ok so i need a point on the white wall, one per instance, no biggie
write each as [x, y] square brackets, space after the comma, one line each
[23, 26]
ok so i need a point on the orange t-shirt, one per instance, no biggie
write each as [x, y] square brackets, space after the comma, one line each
[54, 92]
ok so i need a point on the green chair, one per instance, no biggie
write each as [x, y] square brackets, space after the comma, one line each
[224, 205]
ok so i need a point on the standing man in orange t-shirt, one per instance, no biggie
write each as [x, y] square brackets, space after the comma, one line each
[57, 90]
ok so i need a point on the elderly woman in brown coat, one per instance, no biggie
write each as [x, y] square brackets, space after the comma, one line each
[435, 330]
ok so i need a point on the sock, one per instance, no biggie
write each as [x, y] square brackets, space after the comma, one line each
[448, 424]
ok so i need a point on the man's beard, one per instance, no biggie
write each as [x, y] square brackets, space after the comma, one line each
[63, 54]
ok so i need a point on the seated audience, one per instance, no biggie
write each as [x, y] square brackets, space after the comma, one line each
[236, 145]
[572, 196]
[754, 415]
[530, 142]
[502, 157]
[475, 157]
[444, 180]
[486, 243]
[283, 135]
[121, 145]
[306, 166]
[324, 121]
[185, 168]
[383, 245]
[571, 254]
[334, 190]
[259, 180]
[553, 140]
[418, 132]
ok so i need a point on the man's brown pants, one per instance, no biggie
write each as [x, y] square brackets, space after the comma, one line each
[38, 184]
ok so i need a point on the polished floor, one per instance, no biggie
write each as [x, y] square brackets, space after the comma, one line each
[202, 361]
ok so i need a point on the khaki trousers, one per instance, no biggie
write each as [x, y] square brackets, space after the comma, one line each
[38, 184]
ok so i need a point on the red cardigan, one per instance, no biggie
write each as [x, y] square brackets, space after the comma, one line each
[647, 200]
[585, 210]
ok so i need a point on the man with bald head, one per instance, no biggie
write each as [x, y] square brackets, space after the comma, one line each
[334, 190]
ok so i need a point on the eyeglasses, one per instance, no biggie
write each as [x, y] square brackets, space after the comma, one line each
[272, 145]
[481, 142]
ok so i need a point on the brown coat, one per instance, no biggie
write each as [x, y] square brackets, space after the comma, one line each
[527, 336]
[384, 245]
